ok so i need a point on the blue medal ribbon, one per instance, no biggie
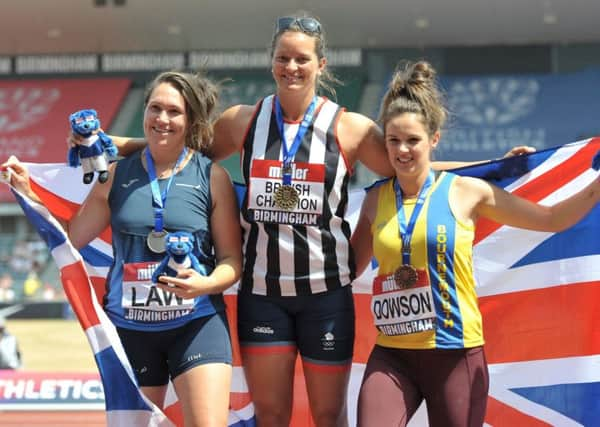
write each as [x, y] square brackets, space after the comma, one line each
[159, 199]
[288, 154]
[406, 230]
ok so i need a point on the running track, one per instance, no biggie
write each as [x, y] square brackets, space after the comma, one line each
[52, 419]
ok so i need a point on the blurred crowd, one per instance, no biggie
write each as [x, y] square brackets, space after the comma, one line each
[27, 273]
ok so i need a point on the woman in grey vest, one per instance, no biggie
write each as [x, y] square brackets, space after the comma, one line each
[166, 198]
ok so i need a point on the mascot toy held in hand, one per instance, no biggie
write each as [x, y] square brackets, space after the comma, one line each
[179, 256]
[91, 152]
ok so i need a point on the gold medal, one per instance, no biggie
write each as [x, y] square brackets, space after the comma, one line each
[405, 276]
[156, 241]
[286, 197]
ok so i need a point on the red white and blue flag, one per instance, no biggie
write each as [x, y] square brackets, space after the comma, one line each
[539, 295]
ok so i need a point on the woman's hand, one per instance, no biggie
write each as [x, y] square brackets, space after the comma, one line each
[188, 284]
[518, 150]
[19, 177]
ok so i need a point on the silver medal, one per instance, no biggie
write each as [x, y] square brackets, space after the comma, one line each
[156, 241]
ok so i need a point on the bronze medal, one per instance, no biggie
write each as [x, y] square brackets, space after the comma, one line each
[156, 241]
[405, 276]
[286, 197]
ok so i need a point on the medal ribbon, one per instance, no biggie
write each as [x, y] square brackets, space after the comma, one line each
[288, 155]
[406, 230]
[159, 199]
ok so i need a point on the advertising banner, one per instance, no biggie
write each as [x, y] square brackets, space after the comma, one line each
[28, 390]
[34, 115]
[491, 114]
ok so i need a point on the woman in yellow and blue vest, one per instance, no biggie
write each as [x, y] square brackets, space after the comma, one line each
[419, 225]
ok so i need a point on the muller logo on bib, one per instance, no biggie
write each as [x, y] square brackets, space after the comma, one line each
[297, 173]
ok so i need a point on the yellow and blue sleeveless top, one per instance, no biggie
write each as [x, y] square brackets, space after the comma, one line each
[440, 310]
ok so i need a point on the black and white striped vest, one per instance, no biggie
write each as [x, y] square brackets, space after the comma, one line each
[303, 250]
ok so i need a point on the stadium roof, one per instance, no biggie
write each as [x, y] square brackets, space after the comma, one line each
[78, 26]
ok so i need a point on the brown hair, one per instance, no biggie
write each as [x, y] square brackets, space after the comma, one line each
[326, 80]
[201, 99]
[414, 89]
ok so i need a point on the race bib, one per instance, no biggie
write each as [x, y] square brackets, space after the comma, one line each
[403, 311]
[144, 302]
[308, 180]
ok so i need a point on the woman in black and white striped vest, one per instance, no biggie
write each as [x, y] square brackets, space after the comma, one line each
[298, 151]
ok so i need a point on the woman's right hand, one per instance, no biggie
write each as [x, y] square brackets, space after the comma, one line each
[73, 140]
[19, 177]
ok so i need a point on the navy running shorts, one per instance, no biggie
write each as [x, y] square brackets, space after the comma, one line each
[157, 356]
[320, 326]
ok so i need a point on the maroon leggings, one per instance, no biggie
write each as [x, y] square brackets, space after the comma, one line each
[453, 383]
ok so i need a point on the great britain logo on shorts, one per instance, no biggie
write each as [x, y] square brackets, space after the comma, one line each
[328, 341]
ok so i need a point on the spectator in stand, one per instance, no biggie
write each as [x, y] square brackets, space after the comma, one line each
[20, 262]
[7, 293]
[31, 285]
[10, 355]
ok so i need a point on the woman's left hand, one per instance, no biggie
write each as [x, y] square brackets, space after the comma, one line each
[518, 150]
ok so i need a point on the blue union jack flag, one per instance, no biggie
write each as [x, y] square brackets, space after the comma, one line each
[539, 295]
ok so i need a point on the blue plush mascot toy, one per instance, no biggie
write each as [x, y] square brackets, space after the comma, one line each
[179, 246]
[91, 152]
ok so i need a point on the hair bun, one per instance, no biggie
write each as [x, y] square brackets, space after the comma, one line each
[414, 89]
[420, 73]
[398, 85]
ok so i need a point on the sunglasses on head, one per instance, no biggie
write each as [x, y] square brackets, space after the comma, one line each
[308, 25]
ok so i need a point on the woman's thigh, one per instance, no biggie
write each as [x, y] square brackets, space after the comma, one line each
[389, 394]
[203, 392]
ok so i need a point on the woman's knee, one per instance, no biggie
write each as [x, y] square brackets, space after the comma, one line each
[272, 414]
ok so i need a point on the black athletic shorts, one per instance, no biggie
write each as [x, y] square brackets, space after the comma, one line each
[319, 326]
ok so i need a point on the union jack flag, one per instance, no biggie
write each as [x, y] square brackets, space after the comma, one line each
[539, 295]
